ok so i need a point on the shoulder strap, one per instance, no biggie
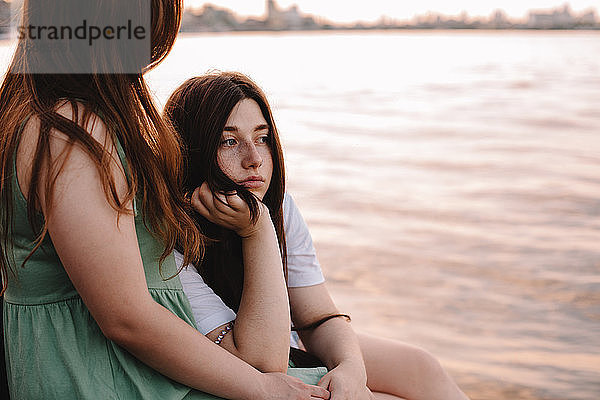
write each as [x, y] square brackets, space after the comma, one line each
[125, 165]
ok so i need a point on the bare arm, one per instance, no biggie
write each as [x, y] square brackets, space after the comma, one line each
[105, 267]
[262, 327]
[334, 342]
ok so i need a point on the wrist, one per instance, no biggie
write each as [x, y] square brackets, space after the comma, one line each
[355, 367]
[262, 390]
[262, 223]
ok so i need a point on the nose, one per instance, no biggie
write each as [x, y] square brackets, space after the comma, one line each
[252, 158]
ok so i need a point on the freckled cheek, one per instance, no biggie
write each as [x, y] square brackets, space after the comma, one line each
[227, 162]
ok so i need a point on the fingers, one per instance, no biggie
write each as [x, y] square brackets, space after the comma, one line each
[211, 206]
[324, 381]
[323, 387]
[234, 201]
[319, 392]
[209, 201]
[198, 202]
[226, 209]
[220, 203]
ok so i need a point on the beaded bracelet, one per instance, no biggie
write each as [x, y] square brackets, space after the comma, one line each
[224, 332]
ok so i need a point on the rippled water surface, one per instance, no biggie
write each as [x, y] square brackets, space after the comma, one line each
[451, 181]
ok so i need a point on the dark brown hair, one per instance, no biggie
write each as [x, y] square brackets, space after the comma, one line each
[125, 105]
[199, 110]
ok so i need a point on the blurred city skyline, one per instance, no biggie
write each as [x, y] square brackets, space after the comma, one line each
[344, 11]
[211, 18]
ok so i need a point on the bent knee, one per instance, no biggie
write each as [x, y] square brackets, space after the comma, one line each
[426, 363]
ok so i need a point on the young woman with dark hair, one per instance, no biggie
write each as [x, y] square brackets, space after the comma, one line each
[232, 151]
[91, 209]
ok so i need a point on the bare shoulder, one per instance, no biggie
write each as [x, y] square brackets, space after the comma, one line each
[59, 147]
[95, 126]
[31, 131]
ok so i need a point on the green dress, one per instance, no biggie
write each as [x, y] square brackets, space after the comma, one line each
[55, 349]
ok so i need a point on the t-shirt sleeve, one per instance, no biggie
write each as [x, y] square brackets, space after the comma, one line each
[302, 263]
[209, 310]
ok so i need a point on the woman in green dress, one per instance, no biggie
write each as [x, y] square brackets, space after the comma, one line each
[89, 216]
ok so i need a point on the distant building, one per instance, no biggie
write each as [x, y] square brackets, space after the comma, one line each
[559, 18]
[254, 24]
[499, 20]
[211, 19]
[274, 19]
[290, 19]
[588, 19]
[429, 20]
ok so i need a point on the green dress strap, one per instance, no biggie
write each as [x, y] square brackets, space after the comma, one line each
[125, 164]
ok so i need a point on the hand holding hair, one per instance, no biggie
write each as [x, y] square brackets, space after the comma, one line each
[228, 210]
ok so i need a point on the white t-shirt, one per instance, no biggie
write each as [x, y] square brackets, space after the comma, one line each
[211, 312]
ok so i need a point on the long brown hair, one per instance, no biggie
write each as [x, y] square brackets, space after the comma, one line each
[199, 110]
[123, 101]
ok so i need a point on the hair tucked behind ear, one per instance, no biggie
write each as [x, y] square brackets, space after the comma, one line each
[123, 101]
[199, 110]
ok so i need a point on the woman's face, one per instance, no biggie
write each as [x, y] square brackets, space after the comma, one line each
[244, 153]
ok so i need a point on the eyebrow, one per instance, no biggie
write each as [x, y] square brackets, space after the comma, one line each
[235, 128]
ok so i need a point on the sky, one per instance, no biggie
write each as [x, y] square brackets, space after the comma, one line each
[354, 10]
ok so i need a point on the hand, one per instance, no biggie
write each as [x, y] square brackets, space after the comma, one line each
[346, 382]
[279, 386]
[228, 210]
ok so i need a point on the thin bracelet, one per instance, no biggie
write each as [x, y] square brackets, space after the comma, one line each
[321, 321]
[224, 332]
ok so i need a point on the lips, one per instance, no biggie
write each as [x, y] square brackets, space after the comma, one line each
[253, 182]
